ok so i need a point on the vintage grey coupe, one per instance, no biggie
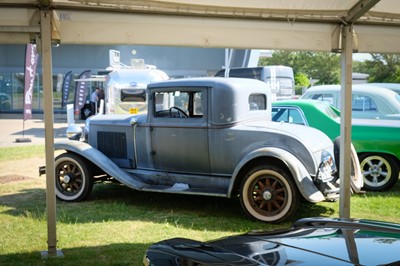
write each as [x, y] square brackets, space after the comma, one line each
[204, 136]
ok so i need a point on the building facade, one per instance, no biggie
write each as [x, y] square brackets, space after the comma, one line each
[177, 62]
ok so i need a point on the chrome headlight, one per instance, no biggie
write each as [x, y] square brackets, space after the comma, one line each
[74, 132]
[326, 168]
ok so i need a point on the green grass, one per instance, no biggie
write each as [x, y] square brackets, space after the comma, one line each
[117, 224]
[23, 152]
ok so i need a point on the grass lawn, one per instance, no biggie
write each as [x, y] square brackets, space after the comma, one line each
[117, 224]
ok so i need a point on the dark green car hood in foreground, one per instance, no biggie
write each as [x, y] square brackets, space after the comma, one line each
[313, 241]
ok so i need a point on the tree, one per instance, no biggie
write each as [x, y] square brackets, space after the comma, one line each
[301, 80]
[321, 66]
[381, 68]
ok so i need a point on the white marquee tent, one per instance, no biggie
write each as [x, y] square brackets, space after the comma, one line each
[343, 26]
[277, 25]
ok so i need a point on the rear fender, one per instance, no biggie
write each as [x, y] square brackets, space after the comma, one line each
[100, 160]
[299, 173]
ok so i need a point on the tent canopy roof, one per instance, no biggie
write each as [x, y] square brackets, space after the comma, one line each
[286, 24]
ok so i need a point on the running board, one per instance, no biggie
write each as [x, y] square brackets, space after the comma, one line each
[179, 188]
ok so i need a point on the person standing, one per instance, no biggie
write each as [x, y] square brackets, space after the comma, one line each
[93, 101]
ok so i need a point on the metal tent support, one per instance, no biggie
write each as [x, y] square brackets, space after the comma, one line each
[345, 123]
[46, 34]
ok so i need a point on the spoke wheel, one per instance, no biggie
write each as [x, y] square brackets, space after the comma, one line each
[74, 181]
[380, 172]
[268, 194]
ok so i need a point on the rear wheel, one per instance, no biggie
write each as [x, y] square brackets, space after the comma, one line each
[380, 171]
[74, 180]
[269, 194]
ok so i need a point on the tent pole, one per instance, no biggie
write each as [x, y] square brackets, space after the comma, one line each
[45, 28]
[345, 123]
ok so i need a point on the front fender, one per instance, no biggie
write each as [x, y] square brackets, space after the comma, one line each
[298, 171]
[100, 160]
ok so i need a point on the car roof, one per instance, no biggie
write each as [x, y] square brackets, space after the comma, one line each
[355, 88]
[209, 82]
[392, 86]
[305, 102]
[296, 102]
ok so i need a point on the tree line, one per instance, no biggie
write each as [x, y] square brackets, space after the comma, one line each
[324, 68]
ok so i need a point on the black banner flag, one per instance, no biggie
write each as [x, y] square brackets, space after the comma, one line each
[65, 88]
[81, 91]
[31, 58]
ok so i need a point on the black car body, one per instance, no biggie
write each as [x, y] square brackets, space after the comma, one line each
[310, 241]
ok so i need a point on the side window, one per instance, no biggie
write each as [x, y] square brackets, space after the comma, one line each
[257, 102]
[363, 103]
[324, 97]
[197, 107]
[287, 115]
[296, 117]
[178, 104]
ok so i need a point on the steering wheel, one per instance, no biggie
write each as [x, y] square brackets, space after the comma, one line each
[181, 113]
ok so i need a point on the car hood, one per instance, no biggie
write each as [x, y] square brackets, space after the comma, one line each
[298, 246]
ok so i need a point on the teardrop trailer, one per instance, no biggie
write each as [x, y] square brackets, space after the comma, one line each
[124, 88]
[203, 136]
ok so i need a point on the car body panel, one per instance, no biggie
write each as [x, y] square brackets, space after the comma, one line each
[310, 241]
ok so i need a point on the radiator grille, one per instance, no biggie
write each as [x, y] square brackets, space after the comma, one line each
[112, 144]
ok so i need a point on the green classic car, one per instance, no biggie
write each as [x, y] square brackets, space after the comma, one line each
[377, 142]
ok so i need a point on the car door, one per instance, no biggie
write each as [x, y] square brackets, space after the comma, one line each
[179, 131]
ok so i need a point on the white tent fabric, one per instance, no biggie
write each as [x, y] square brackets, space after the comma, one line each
[315, 25]
[284, 25]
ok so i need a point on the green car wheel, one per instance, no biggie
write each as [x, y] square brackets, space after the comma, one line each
[380, 172]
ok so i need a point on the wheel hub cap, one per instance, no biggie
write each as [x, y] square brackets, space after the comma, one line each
[67, 179]
[267, 195]
[375, 171]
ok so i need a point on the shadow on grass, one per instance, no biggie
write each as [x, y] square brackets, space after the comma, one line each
[113, 202]
[38, 132]
[113, 254]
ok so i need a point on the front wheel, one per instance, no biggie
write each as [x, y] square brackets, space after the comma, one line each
[74, 180]
[380, 171]
[269, 194]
